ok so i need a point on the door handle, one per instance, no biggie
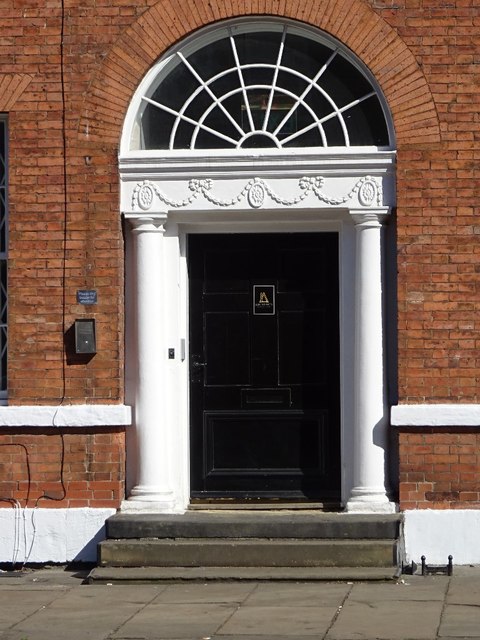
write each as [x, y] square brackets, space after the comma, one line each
[196, 364]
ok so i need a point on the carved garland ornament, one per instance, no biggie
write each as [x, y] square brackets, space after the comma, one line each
[255, 192]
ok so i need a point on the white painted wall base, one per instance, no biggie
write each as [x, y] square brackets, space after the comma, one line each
[65, 535]
[51, 535]
[438, 534]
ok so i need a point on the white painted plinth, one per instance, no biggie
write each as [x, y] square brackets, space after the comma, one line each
[139, 505]
[438, 534]
[372, 501]
[51, 535]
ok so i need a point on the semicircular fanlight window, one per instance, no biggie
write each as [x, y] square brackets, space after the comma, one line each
[273, 86]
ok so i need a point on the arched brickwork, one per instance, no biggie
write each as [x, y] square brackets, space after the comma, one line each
[352, 22]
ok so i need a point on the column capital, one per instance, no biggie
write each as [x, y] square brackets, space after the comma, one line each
[153, 221]
[370, 217]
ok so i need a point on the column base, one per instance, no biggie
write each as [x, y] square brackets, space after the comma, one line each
[150, 499]
[370, 500]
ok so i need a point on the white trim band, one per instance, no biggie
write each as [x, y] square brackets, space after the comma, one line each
[435, 415]
[92, 415]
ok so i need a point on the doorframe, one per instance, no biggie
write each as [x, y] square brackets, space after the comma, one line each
[351, 193]
[343, 229]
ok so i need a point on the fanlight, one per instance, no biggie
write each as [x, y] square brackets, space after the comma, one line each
[260, 85]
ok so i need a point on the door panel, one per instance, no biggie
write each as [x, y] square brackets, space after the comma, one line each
[298, 443]
[227, 342]
[264, 367]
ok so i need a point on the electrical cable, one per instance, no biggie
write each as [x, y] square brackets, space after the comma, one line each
[65, 194]
[16, 533]
[64, 266]
[17, 505]
[62, 480]
[27, 461]
[13, 501]
[34, 533]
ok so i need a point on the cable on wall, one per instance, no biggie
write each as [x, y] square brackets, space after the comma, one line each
[18, 509]
[65, 195]
[27, 461]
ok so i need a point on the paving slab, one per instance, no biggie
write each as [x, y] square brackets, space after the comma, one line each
[465, 590]
[164, 621]
[213, 592]
[460, 621]
[428, 588]
[81, 613]
[55, 577]
[305, 595]
[282, 620]
[15, 607]
[387, 619]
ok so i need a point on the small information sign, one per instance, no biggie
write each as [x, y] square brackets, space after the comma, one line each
[263, 299]
[87, 296]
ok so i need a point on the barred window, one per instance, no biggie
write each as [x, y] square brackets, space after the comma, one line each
[3, 257]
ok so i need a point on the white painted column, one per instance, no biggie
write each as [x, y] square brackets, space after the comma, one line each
[370, 411]
[153, 487]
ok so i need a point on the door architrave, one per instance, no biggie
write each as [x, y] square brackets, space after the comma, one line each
[340, 192]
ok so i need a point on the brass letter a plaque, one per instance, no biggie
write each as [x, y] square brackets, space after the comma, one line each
[263, 299]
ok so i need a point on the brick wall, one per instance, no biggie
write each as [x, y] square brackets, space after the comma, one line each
[439, 470]
[438, 248]
[62, 467]
[66, 107]
[65, 229]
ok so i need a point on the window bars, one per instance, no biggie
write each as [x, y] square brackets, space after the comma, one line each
[3, 257]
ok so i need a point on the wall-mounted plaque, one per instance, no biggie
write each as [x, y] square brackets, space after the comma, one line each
[263, 299]
[87, 296]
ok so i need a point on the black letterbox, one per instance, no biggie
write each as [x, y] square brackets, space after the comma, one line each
[85, 336]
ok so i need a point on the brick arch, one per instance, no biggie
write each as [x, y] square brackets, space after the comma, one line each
[352, 22]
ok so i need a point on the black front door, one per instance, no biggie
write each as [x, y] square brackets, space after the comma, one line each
[264, 366]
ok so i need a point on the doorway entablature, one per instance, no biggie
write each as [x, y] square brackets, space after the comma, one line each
[296, 181]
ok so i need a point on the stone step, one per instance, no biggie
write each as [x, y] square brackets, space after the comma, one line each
[243, 552]
[141, 575]
[258, 524]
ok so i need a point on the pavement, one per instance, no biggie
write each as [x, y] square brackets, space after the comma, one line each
[53, 603]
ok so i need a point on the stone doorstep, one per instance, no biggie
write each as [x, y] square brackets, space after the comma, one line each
[258, 524]
[245, 545]
[249, 552]
[141, 575]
